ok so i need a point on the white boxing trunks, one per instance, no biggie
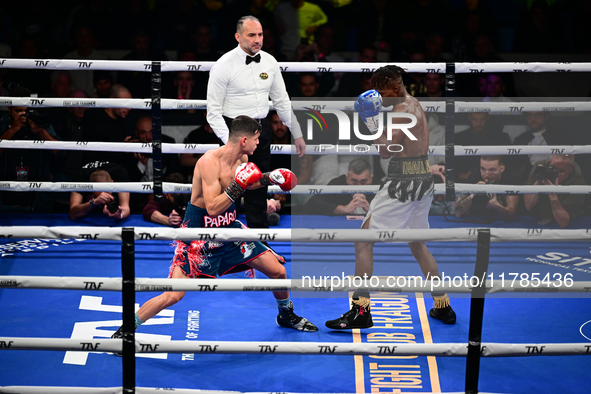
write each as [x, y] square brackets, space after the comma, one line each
[405, 199]
[388, 213]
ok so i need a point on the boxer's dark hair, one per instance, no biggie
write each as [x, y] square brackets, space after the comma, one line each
[244, 126]
[387, 75]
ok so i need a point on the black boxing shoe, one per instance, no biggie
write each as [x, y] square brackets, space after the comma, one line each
[357, 317]
[446, 315]
[287, 318]
[118, 335]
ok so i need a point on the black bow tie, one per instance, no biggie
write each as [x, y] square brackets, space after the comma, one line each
[250, 59]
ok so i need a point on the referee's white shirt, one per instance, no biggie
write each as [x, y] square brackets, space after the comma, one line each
[235, 88]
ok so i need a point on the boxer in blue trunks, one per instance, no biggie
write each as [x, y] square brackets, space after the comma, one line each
[219, 179]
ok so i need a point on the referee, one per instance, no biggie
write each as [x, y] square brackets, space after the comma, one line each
[240, 83]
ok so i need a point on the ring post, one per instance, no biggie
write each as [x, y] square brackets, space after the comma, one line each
[450, 113]
[477, 312]
[157, 129]
[128, 295]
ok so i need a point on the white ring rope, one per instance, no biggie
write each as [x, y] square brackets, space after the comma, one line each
[460, 68]
[308, 348]
[513, 107]
[329, 235]
[411, 284]
[147, 187]
[321, 149]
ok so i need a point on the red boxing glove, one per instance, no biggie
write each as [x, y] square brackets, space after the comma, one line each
[283, 177]
[247, 174]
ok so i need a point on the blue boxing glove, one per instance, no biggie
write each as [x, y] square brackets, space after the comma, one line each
[369, 105]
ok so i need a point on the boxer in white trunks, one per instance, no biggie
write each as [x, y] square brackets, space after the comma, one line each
[405, 198]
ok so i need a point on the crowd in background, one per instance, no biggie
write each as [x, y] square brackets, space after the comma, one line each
[294, 30]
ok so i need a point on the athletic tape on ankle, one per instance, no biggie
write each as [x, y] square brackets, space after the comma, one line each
[362, 301]
[440, 301]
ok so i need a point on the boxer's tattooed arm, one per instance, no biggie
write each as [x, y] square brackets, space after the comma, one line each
[463, 205]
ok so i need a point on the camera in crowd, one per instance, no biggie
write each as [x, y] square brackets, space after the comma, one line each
[41, 120]
[479, 201]
[180, 204]
[546, 172]
[113, 206]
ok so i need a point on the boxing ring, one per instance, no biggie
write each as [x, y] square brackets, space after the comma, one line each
[414, 354]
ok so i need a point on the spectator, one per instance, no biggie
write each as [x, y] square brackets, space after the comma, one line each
[434, 85]
[183, 86]
[484, 50]
[374, 27]
[436, 136]
[297, 20]
[201, 135]
[271, 45]
[359, 173]
[281, 136]
[60, 84]
[69, 126]
[495, 88]
[562, 208]
[539, 31]
[85, 50]
[308, 85]
[537, 135]
[140, 166]
[434, 47]
[201, 47]
[82, 205]
[29, 165]
[365, 83]
[98, 16]
[351, 83]
[34, 79]
[479, 133]
[324, 40]
[169, 211]
[177, 19]
[102, 81]
[490, 205]
[581, 27]
[139, 82]
[108, 125]
[137, 14]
